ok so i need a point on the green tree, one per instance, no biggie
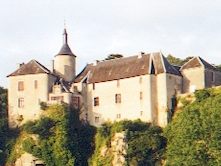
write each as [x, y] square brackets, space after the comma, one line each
[177, 61]
[114, 56]
[194, 135]
[3, 122]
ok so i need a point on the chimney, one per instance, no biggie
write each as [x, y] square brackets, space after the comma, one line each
[95, 62]
[20, 64]
[140, 55]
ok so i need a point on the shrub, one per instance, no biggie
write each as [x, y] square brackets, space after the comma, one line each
[201, 94]
[43, 105]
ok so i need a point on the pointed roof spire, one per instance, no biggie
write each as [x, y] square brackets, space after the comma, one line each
[65, 49]
[65, 35]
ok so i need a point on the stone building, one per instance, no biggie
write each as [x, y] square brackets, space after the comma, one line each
[136, 87]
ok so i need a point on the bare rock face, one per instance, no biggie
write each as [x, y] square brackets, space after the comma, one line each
[119, 149]
[27, 159]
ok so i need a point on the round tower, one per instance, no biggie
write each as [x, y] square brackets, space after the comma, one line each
[64, 62]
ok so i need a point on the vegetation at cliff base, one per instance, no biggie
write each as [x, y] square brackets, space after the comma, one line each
[7, 136]
[194, 135]
[145, 143]
[57, 138]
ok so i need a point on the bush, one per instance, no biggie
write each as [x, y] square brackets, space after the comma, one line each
[43, 105]
[201, 94]
[145, 143]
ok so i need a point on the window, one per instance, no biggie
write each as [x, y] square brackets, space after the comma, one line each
[20, 86]
[140, 80]
[118, 83]
[21, 103]
[36, 84]
[76, 102]
[96, 101]
[141, 95]
[141, 113]
[96, 119]
[118, 116]
[93, 86]
[213, 77]
[57, 98]
[118, 98]
[75, 88]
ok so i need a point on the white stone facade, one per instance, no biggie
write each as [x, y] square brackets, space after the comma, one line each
[138, 87]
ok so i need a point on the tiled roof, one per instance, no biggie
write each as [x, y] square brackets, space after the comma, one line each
[126, 67]
[32, 67]
[197, 62]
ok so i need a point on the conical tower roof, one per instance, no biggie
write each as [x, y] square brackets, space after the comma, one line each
[65, 49]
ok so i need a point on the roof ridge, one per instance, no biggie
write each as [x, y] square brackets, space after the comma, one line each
[187, 62]
[41, 66]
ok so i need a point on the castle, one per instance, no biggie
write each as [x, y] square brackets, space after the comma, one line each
[137, 87]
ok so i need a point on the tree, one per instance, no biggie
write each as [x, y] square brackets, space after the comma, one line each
[114, 56]
[3, 122]
[177, 61]
[194, 135]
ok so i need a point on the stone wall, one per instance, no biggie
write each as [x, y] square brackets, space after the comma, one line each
[32, 97]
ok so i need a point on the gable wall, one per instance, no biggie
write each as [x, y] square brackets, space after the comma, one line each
[193, 78]
[32, 97]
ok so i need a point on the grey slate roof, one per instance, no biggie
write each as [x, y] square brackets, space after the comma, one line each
[126, 67]
[65, 50]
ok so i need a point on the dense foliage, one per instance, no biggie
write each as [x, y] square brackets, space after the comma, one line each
[145, 143]
[3, 121]
[194, 136]
[57, 138]
[177, 61]
[6, 135]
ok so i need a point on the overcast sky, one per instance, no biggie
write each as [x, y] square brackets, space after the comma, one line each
[33, 29]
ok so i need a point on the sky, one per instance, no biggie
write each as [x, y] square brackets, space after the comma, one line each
[33, 30]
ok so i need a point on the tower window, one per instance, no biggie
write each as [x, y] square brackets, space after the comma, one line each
[93, 86]
[118, 98]
[96, 101]
[21, 103]
[20, 86]
[36, 84]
